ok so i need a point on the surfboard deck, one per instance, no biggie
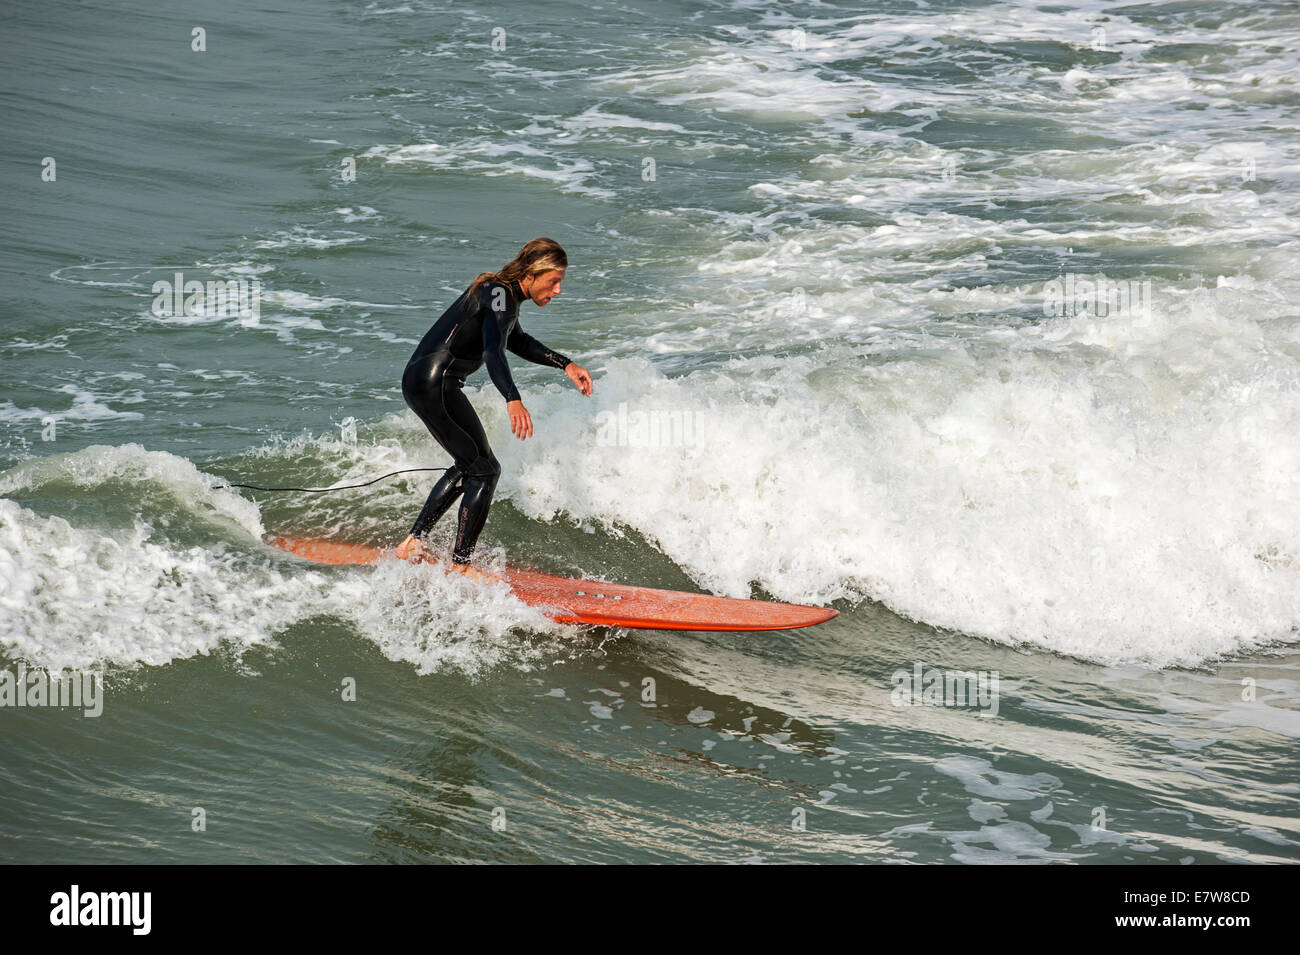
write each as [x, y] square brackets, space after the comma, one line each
[566, 600]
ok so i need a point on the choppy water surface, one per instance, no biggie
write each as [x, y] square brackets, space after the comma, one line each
[818, 238]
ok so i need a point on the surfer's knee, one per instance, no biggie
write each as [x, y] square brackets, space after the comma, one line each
[486, 469]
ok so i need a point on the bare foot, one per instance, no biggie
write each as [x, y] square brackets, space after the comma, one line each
[468, 570]
[412, 550]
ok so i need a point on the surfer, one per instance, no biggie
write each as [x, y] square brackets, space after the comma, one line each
[477, 328]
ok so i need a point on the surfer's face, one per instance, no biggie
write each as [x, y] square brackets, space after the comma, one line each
[543, 286]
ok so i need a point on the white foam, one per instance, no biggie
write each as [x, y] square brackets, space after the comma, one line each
[1120, 489]
[359, 214]
[438, 621]
[86, 406]
[595, 118]
[302, 237]
[754, 80]
[490, 156]
[129, 595]
[79, 598]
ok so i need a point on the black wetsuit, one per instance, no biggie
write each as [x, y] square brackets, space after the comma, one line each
[474, 330]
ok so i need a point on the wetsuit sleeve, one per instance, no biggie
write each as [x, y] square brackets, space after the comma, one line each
[494, 348]
[526, 346]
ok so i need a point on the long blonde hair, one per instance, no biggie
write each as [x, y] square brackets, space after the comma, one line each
[537, 255]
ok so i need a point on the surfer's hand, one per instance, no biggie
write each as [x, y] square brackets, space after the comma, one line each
[578, 375]
[521, 422]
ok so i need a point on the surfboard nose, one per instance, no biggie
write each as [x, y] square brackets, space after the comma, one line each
[327, 552]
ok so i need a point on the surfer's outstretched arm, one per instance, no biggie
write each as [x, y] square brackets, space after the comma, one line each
[526, 346]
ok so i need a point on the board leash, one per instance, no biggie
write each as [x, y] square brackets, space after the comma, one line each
[323, 490]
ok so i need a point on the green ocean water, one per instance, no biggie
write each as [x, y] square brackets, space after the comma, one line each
[825, 235]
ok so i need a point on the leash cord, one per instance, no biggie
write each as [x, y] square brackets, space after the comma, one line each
[323, 490]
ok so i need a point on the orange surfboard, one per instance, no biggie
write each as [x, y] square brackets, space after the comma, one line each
[566, 600]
